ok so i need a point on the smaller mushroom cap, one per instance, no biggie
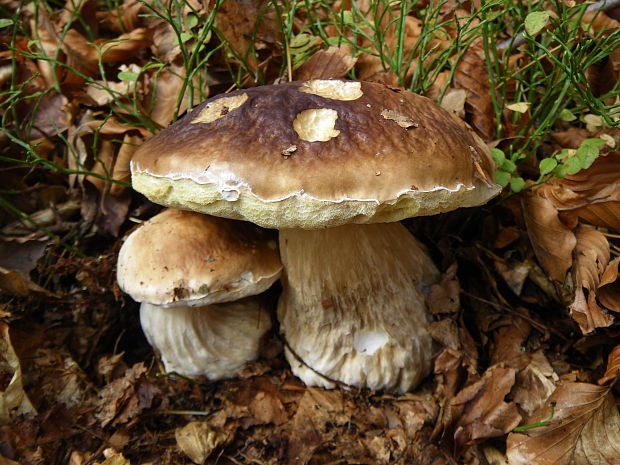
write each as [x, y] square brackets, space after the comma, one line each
[181, 258]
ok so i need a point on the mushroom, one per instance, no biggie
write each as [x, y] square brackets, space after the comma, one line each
[195, 275]
[329, 163]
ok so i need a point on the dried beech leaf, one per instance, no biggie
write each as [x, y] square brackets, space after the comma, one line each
[333, 63]
[585, 430]
[591, 259]
[13, 398]
[608, 292]
[534, 384]
[595, 192]
[613, 366]
[552, 241]
[313, 422]
[237, 22]
[454, 101]
[604, 214]
[484, 412]
[166, 93]
[471, 75]
[198, 440]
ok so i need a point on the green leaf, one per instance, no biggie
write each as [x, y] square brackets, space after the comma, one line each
[567, 115]
[501, 177]
[519, 107]
[127, 76]
[185, 36]
[498, 156]
[517, 184]
[573, 165]
[536, 21]
[4, 22]
[347, 17]
[588, 151]
[192, 21]
[547, 165]
[559, 171]
[509, 166]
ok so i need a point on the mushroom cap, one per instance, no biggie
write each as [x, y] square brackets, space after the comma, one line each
[186, 258]
[316, 154]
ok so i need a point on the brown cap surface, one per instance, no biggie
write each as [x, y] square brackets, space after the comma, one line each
[186, 258]
[314, 154]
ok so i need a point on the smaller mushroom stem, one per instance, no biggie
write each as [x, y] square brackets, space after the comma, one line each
[213, 341]
[353, 306]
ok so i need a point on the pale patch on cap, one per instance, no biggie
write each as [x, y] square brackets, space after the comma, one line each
[402, 120]
[316, 125]
[337, 90]
[220, 107]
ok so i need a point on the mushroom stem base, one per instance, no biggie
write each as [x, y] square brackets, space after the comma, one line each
[353, 306]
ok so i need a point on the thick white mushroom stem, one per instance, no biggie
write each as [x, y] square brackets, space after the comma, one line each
[352, 308]
[213, 341]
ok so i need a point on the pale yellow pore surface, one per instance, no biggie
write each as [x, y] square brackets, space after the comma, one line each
[352, 307]
[299, 210]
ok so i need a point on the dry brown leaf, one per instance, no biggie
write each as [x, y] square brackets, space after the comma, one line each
[317, 410]
[124, 398]
[535, 383]
[454, 101]
[371, 67]
[125, 46]
[585, 430]
[604, 214]
[166, 94]
[591, 259]
[236, 20]
[198, 440]
[333, 63]
[613, 366]
[13, 398]
[114, 458]
[609, 288]
[552, 241]
[594, 192]
[471, 75]
[480, 409]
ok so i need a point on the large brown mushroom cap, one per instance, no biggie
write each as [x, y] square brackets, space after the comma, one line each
[186, 258]
[316, 154]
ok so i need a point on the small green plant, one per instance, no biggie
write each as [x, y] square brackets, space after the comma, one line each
[567, 161]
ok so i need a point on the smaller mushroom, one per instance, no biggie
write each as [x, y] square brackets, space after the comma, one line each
[195, 276]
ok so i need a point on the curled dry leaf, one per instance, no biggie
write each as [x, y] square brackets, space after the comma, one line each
[591, 259]
[613, 366]
[480, 409]
[594, 192]
[609, 288]
[454, 101]
[333, 63]
[584, 430]
[471, 75]
[198, 440]
[552, 241]
[237, 22]
[13, 398]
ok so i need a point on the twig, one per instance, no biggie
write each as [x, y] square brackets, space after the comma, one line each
[519, 39]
